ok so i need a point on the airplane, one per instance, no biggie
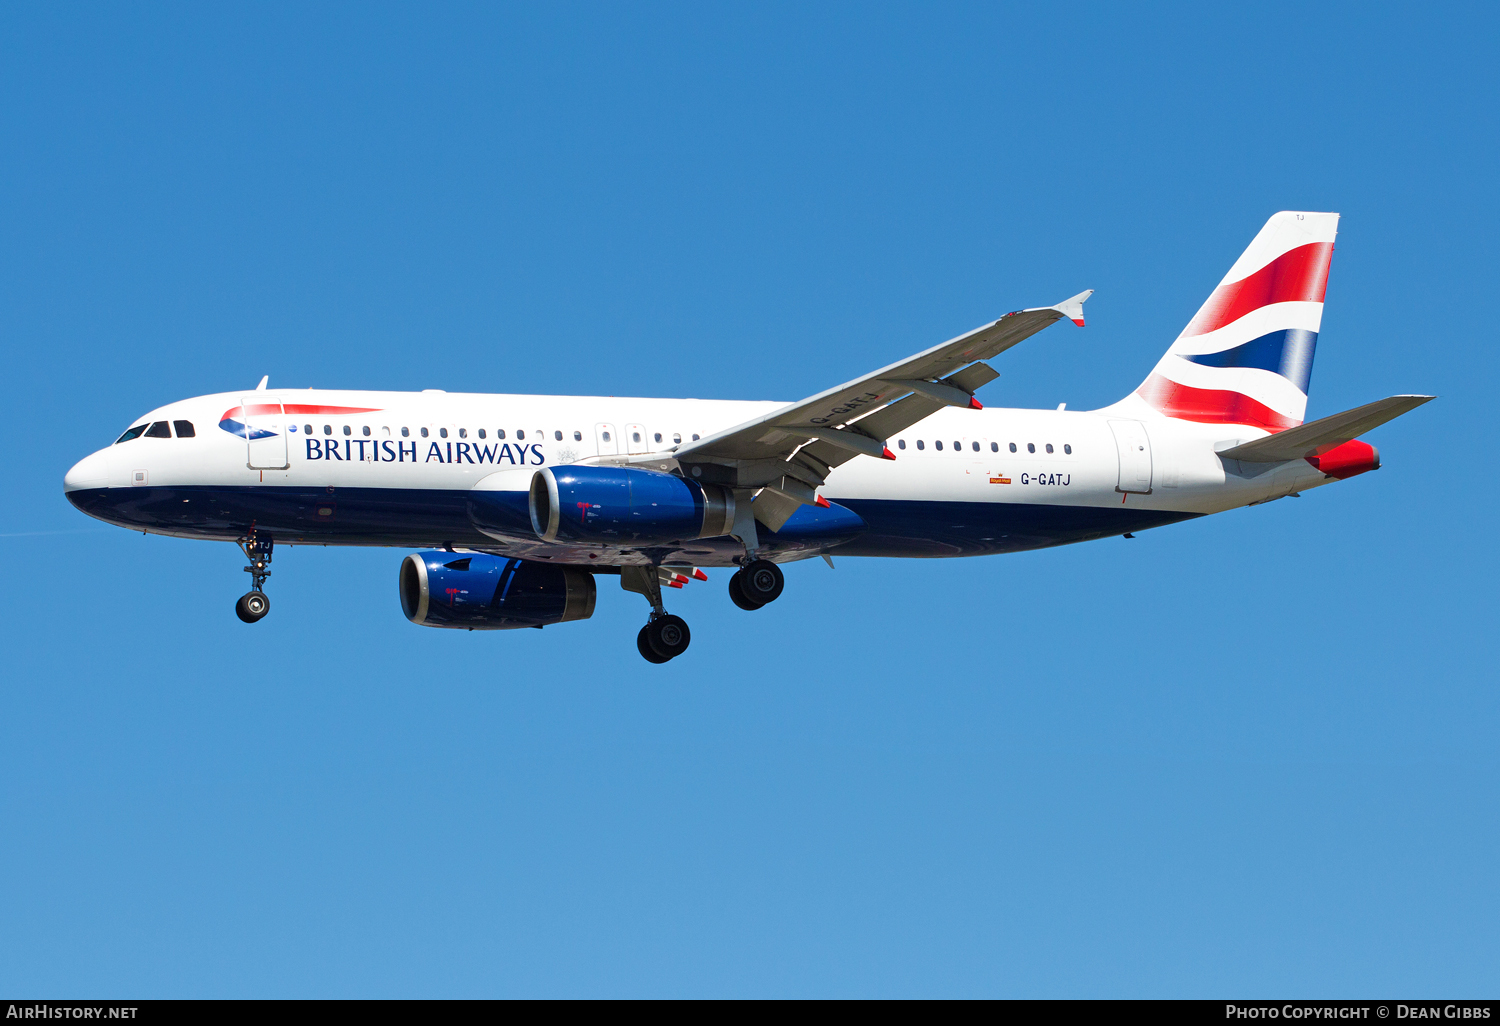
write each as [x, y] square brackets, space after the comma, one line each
[518, 503]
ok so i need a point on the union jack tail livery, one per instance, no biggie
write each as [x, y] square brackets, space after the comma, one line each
[1247, 354]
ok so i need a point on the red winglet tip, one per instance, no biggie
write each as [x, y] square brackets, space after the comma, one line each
[823, 502]
[676, 584]
[700, 575]
[1078, 321]
[886, 453]
[975, 404]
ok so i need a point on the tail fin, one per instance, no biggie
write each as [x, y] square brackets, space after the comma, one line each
[1246, 356]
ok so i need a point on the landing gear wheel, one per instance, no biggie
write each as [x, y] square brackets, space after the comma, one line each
[642, 643]
[668, 636]
[737, 594]
[252, 606]
[761, 581]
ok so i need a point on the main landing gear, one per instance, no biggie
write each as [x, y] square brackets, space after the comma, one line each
[254, 604]
[665, 636]
[757, 583]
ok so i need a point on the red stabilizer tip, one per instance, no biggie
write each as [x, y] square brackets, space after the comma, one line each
[886, 454]
[700, 575]
[677, 584]
[1078, 321]
[823, 502]
[975, 404]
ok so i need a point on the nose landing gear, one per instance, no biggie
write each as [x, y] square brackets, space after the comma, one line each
[254, 604]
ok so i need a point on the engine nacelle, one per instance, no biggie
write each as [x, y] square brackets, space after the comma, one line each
[615, 505]
[486, 593]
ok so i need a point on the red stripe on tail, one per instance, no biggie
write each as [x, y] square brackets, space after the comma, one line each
[1210, 406]
[1297, 276]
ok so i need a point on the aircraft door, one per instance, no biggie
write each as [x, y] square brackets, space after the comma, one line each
[265, 433]
[635, 438]
[1134, 448]
[606, 439]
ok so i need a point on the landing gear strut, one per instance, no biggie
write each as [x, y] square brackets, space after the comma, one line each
[665, 636]
[758, 583]
[254, 604]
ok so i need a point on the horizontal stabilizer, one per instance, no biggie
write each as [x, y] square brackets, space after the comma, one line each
[1319, 436]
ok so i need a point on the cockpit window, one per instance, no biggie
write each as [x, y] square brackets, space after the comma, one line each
[134, 432]
[184, 428]
[159, 430]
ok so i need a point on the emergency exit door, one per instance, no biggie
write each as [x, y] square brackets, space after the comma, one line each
[1134, 448]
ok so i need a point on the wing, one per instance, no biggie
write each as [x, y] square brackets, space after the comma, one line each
[789, 452]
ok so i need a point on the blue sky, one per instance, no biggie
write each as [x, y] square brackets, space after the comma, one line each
[1252, 755]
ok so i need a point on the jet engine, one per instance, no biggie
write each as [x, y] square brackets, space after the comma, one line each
[487, 593]
[625, 505]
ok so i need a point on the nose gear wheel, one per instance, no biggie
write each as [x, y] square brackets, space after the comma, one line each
[252, 606]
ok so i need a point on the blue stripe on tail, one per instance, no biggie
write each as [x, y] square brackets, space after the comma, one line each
[1288, 352]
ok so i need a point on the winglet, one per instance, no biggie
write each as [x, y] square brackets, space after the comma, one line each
[1072, 309]
[263, 381]
[886, 454]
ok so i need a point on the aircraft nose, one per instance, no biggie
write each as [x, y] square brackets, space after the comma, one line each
[89, 472]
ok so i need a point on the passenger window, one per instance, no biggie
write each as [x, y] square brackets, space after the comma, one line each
[577, 436]
[1030, 447]
[958, 447]
[901, 443]
[159, 430]
[695, 438]
[1068, 449]
[658, 436]
[442, 432]
[676, 438]
[921, 444]
[406, 432]
[521, 435]
[481, 432]
[424, 432]
[1012, 446]
[463, 432]
[938, 446]
[328, 429]
[994, 447]
[1049, 446]
[500, 433]
[365, 430]
[307, 428]
[606, 436]
[347, 430]
[184, 428]
[134, 432]
[557, 436]
[976, 446]
[635, 436]
[386, 430]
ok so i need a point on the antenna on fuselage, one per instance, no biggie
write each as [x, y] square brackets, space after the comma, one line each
[263, 381]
